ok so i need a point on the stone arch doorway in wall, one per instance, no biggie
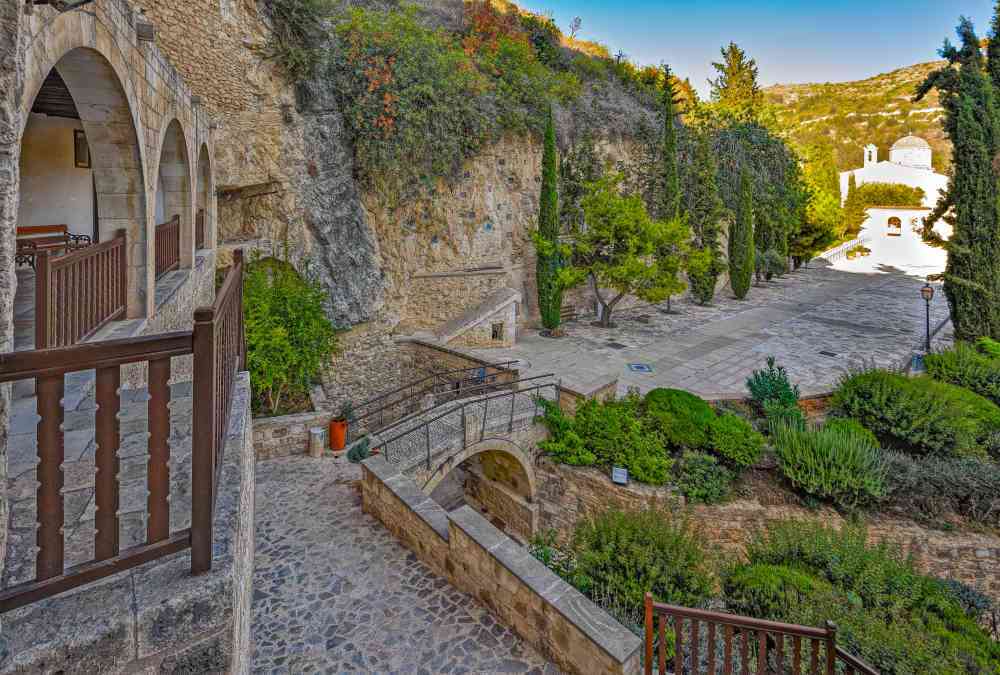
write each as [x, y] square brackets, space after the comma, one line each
[495, 477]
[205, 203]
[81, 166]
[174, 239]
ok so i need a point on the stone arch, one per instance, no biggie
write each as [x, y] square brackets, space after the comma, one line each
[895, 226]
[106, 106]
[175, 186]
[205, 198]
[487, 445]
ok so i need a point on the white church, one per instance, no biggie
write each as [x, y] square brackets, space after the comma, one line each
[892, 233]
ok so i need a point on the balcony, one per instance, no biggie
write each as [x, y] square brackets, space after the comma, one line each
[132, 506]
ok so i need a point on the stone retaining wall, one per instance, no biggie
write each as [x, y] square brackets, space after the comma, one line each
[477, 558]
[568, 494]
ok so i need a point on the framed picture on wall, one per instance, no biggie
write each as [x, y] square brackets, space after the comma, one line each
[81, 151]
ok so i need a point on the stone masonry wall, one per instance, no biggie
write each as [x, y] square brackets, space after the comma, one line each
[477, 558]
[11, 83]
[506, 509]
[567, 494]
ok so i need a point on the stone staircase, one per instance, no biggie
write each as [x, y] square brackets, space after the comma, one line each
[475, 326]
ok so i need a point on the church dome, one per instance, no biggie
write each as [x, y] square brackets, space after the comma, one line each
[911, 143]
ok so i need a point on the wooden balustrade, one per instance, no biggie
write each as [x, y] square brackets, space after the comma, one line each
[168, 246]
[199, 230]
[79, 293]
[736, 645]
[220, 351]
[217, 345]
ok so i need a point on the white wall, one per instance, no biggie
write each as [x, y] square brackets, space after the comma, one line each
[933, 184]
[53, 190]
[907, 252]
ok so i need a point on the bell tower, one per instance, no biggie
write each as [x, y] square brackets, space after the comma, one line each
[871, 155]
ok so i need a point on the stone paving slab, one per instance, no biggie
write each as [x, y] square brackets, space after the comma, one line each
[855, 318]
[334, 592]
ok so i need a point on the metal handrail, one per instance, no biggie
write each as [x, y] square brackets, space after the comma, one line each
[414, 397]
[424, 426]
[437, 375]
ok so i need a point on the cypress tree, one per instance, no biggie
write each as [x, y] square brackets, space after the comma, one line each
[972, 274]
[705, 208]
[670, 200]
[547, 241]
[741, 253]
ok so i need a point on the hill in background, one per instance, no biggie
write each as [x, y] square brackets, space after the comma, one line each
[850, 115]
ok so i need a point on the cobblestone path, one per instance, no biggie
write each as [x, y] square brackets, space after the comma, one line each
[334, 592]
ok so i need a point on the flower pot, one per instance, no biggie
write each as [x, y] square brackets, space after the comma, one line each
[338, 434]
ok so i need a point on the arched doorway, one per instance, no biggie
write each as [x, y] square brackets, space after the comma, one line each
[81, 166]
[204, 215]
[895, 227]
[497, 479]
[174, 214]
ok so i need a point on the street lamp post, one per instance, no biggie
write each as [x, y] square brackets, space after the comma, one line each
[927, 292]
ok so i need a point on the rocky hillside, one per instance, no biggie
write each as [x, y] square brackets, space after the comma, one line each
[878, 110]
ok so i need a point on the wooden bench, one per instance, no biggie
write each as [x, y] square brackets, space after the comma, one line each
[32, 239]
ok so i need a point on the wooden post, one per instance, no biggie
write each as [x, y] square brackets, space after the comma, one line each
[203, 440]
[649, 634]
[831, 648]
[43, 284]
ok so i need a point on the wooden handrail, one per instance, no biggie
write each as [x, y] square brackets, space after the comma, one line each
[217, 345]
[804, 646]
[79, 293]
[167, 243]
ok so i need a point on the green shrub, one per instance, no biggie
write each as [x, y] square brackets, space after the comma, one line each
[607, 434]
[288, 335]
[628, 553]
[919, 415]
[736, 441]
[831, 464]
[764, 590]
[989, 347]
[965, 366]
[783, 414]
[851, 427]
[680, 418]
[359, 452]
[886, 612]
[298, 34]
[772, 384]
[702, 479]
[933, 488]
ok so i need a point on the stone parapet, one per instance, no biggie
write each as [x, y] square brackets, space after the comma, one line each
[477, 558]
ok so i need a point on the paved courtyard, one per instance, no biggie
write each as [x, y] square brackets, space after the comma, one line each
[819, 322]
[334, 591]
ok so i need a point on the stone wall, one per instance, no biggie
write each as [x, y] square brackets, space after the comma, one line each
[476, 558]
[286, 435]
[568, 494]
[483, 335]
[509, 511]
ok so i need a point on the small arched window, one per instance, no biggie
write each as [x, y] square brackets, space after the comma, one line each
[895, 227]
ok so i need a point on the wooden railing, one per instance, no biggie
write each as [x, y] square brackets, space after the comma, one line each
[168, 246]
[78, 293]
[219, 352]
[736, 645]
[199, 230]
[217, 348]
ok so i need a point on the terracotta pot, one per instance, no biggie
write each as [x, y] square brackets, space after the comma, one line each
[338, 435]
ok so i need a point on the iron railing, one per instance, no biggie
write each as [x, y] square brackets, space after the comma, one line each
[167, 243]
[79, 293]
[217, 347]
[399, 404]
[740, 644]
[466, 423]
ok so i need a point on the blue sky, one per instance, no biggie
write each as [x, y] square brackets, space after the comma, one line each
[792, 40]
